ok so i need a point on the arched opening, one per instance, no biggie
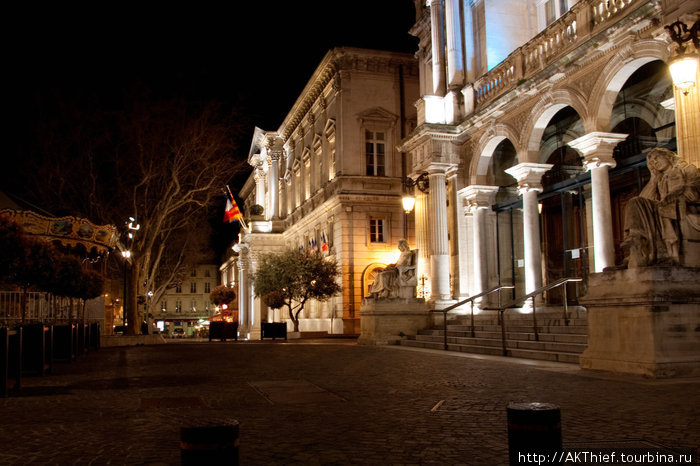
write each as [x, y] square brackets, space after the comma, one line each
[369, 275]
[638, 112]
[563, 213]
[508, 207]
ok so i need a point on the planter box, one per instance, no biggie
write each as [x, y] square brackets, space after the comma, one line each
[37, 349]
[220, 330]
[10, 360]
[273, 330]
[64, 342]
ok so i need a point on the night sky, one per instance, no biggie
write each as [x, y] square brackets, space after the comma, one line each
[252, 57]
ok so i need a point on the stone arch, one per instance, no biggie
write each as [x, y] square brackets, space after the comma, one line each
[369, 274]
[541, 115]
[616, 73]
[484, 150]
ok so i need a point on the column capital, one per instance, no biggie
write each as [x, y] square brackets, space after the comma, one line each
[241, 248]
[597, 148]
[529, 175]
[479, 197]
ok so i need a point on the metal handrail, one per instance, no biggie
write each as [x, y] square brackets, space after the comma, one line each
[502, 308]
[465, 301]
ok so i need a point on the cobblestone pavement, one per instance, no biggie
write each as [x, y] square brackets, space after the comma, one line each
[325, 402]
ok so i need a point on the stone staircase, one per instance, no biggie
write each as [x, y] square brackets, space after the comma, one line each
[557, 340]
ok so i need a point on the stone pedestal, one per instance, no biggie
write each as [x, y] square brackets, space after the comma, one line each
[644, 321]
[384, 320]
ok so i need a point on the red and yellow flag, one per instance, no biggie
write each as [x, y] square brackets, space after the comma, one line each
[232, 212]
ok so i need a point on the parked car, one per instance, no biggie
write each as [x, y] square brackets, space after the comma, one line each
[179, 333]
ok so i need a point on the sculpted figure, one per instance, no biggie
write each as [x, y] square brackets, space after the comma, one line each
[668, 206]
[388, 281]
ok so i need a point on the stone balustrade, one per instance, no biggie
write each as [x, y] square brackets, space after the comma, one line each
[578, 25]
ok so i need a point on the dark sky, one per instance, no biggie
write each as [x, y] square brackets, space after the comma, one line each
[252, 54]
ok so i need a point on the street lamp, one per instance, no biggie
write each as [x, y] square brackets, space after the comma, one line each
[408, 200]
[684, 65]
[126, 254]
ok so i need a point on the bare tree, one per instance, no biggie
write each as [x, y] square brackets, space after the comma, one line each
[162, 164]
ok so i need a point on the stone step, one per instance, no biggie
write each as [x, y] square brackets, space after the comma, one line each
[524, 336]
[575, 322]
[571, 329]
[571, 358]
[551, 346]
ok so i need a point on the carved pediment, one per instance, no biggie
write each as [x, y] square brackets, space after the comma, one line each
[377, 116]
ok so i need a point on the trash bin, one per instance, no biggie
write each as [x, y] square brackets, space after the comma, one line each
[210, 442]
[533, 429]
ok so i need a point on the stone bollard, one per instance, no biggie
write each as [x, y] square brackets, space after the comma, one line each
[210, 443]
[534, 433]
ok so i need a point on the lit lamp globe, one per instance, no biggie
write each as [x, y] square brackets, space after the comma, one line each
[684, 71]
[408, 203]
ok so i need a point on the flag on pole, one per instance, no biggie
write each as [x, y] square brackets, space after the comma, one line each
[324, 242]
[232, 212]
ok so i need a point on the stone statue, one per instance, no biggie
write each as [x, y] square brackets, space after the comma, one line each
[662, 224]
[397, 280]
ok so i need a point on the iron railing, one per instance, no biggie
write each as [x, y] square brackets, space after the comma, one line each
[471, 300]
[502, 307]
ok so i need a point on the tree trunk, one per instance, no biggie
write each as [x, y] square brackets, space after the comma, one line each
[295, 320]
[132, 312]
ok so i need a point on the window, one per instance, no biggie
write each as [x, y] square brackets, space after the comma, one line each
[551, 10]
[207, 287]
[193, 273]
[193, 306]
[207, 273]
[178, 288]
[193, 287]
[178, 306]
[376, 230]
[164, 306]
[374, 152]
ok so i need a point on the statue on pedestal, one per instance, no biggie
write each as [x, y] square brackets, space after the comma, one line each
[662, 224]
[397, 280]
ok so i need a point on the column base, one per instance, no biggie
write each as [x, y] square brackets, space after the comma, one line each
[643, 321]
[387, 321]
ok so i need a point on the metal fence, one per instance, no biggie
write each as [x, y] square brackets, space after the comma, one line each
[47, 308]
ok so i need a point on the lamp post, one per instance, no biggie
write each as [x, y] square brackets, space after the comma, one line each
[683, 65]
[408, 200]
[126, 255]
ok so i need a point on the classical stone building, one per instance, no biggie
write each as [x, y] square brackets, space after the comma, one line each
[534, 122]
[187, 305]
[330, 178]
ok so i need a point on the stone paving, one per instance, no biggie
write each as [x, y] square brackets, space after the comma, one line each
[325, 402]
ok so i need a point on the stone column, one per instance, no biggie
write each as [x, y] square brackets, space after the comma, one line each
[273, 181]
[480, 199]
[438, 47]
[597, 149]
[529, 176]
[439, 246]
[260, 186]
[244, 308]
[422, 240]
[455, 67]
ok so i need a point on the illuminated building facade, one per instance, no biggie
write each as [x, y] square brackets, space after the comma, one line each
[330, 178]
[187, 305]
[534, 122]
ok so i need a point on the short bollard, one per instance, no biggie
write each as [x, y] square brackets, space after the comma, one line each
[209, 444]
[534, 429]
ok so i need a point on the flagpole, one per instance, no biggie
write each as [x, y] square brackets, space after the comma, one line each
[242, 221]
